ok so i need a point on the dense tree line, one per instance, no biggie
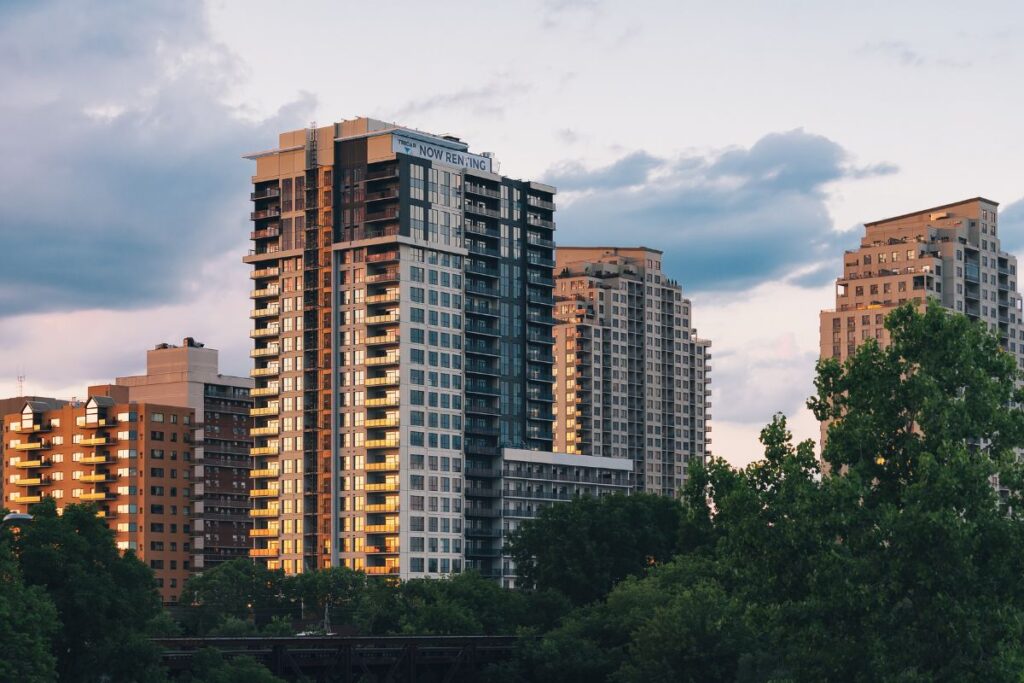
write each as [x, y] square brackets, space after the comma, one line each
[901, 563]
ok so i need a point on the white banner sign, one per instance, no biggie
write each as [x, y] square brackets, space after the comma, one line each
[444, 155]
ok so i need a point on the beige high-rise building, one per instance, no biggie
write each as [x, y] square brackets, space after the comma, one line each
[402, 308]
[949, 253]
[631, 375]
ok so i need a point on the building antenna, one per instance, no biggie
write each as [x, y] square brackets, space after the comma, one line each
[21, 383]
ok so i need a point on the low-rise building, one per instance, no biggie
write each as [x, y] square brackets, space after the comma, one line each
[133, 461]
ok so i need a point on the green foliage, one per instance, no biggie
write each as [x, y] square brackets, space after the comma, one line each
[104, 599]
[584, 548]
[210, 666]
[241, 588]
[902, 565]
[28, 622]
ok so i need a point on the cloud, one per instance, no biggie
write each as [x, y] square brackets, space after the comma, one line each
[555, 11]
[905, 55]
[1011, 226]
[724, 221]
[123, 174]
[629, 171]
[110, 343]
[487, 100]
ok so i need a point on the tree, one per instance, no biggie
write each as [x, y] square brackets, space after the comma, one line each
[242, 589]
[28, 622]
[210, 666]
[902, 564]
[334, 590]
[584, 547]
[104, 599]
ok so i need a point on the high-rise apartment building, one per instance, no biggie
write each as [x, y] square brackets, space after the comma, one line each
[632, 376]
[189, 376]
[950, 254]
[132, 460]
[403, 332]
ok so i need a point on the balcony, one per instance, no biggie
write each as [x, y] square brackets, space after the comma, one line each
[383, 340]
[98, 478]
[382, 319]
[388, 549]
[481, 367]
[262, 412]
[480, 328]
[389, 421]
[480, 228]
[29, 464]
[386, 466]
[380, 570]
[386, 359]
[389, 275]
[389, 193]
[536, 260]
[97, 459]
[32, 428]
[264, 391]
[31, 481]
[383, 486]
[269, 532]
[273, 271]
[385, 298]
[265, 233]
[266, 473]
[269, 371]
[541, 203]
[269, 430]
[382, 507]
[385, 215]
[265, 292]
[27, 500]
[265, 193]
[481, 210]
[381, 528]
[382, 257]
[262, 332]
[274, 212]
[263, 450]
[97, 441]
[263, 552]
[386, 380]
[31, 445]
[478, 268]
[264, 512]
[265, 351]
[385, 172]
[476, 188]
[482, 308]
[263, 493]
[535, 220]
[482, 289]
[96, 495]
[390, 442]
[268, 312]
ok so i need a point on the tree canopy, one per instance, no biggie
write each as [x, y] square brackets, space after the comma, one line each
[901, 564]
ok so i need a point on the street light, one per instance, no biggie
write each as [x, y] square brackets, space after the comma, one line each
[16, 519]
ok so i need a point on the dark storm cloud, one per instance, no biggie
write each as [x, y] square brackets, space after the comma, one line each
[724, 222]
[122, 172]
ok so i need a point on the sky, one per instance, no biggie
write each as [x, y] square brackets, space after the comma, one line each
[747, 140]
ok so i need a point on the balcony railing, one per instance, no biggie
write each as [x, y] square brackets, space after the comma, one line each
[274, 212]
